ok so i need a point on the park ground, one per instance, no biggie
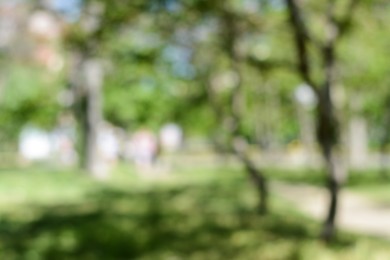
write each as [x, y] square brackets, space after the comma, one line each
[190, 213]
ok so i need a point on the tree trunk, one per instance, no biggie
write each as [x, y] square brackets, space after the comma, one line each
[231, 124]
[328, 230]
[93, 82]
[334, 173]
[82, 120]
[230, 117]
[259, 181]
[328, 135]
[86, 81]
[80, 104]
[385, 138]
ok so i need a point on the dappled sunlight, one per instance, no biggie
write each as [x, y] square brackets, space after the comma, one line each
[194, 129]
[213, 218]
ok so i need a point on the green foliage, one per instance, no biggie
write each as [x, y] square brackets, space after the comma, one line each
[163, 54]
[137, 93]
[29, 96]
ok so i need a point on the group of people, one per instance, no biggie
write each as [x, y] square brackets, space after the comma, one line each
[36, 144]
[142, 147]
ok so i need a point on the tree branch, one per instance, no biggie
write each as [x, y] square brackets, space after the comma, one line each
[301, 42]
[328, 51]
[270, 65]
[344, 23]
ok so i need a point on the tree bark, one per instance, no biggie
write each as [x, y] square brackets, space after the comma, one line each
[385, 138]
[328, 134]
[256, 176]
[230, 121]
[328, 137]
[237, 105]
[328, 230]
[93, 82]
[86, 81]
[79, 110]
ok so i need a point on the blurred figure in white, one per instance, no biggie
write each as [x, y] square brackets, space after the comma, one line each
[44, 26]
[108, 144]
[107, 151]
[144, 149]
[34, 144]
[171, 137]
[63, 140]
[171, 140]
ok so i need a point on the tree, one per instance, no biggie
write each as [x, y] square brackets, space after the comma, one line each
[28, 90]
[322, 80]
[220, 68]
[100, 21]
[85, 80]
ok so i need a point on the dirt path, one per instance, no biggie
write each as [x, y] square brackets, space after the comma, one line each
[357, 213]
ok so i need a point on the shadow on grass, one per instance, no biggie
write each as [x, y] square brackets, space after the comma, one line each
[208, 221]
[319, 178]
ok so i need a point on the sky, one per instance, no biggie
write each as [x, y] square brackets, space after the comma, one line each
[69, 8]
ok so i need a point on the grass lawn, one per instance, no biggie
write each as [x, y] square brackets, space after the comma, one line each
[378, 192]
[373, 185]
[318, 177]
[369, 183]
[193, 214]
